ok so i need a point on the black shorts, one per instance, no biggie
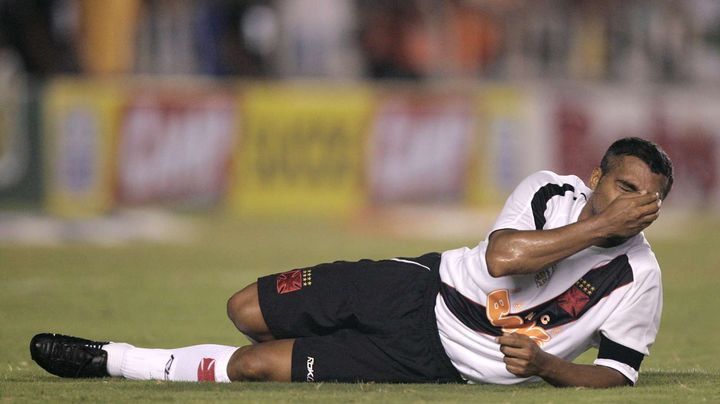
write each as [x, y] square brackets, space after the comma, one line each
[366, 321]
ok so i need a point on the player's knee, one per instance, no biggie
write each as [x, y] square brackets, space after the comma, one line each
[247, 364]
[242, 307]
[235, 306]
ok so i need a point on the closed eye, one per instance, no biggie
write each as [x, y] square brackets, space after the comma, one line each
[626, 186]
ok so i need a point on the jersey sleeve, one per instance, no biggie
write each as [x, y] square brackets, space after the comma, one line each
[517, 213]
[631, 329]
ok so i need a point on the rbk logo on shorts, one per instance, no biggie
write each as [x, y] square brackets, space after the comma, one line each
[310, 371]
[293, 280]
[206, 370]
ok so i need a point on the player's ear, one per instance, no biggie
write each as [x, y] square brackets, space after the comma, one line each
[595, 177]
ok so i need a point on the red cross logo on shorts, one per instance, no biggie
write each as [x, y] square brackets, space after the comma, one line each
[293, 280]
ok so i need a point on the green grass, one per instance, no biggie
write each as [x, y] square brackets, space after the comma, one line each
[174, 295]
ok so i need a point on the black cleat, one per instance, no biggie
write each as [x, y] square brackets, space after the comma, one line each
[69, 356]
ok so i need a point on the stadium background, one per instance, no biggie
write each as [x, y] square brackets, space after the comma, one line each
[167, 145]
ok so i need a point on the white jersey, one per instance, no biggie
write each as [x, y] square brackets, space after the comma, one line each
[600, 297]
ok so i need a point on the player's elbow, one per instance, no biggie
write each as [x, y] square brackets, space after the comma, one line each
[499, 256]
[498, 265]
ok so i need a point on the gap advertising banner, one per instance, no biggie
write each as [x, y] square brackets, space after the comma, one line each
[175, 146]
[80, 123]
[301, 150]
[420, 148]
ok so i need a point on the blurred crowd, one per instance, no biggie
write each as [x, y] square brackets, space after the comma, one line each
[612, 40]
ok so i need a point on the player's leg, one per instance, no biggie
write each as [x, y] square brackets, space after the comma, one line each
[74, 357]
[243, 309]
[267, 361]
[207, 362]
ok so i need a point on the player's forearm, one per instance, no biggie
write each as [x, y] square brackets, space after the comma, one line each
[514, 252]
[561, 373]
[524, 358]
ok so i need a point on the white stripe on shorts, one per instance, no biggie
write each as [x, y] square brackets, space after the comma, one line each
[411, 262]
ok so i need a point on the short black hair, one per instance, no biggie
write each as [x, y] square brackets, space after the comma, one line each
[652, 154]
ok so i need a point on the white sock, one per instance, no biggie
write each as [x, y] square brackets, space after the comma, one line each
[194, 363]
[116, 353]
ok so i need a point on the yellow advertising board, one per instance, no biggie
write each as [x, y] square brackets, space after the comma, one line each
[301, 150]
[79, 128]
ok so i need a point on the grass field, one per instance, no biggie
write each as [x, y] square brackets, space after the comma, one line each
[160, 295]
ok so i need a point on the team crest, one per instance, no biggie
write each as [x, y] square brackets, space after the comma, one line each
[542, 277]
[294, 280]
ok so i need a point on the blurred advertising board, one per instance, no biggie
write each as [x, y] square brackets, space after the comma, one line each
[80, 122]
[507, 146]
[301, 151]
[420, 148]
[175, 146]
[686, 123]
[19, 148]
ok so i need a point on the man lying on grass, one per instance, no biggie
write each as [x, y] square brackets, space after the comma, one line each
[564, 268]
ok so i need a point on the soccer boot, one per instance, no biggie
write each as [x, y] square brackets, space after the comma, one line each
[69, 356]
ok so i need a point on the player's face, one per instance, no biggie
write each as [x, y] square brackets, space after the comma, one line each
[627, 174]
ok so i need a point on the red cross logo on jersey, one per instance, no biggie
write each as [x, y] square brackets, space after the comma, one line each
[573, 301]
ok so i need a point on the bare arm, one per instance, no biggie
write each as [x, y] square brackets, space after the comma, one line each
[516, 252]
[524, 358]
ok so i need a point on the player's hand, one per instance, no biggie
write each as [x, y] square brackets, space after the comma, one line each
[629, 214]
[523, 357]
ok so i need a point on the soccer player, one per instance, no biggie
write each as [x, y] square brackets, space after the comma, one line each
[564, 268]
